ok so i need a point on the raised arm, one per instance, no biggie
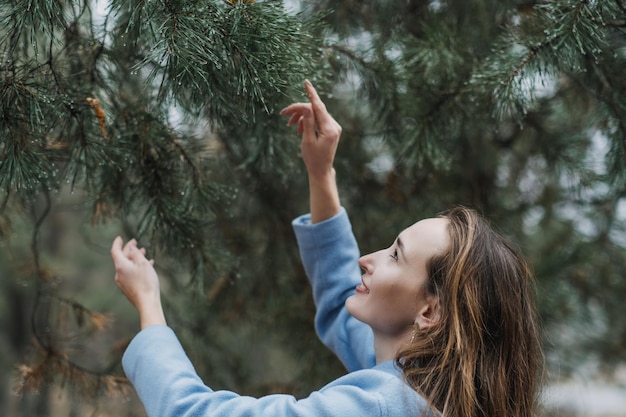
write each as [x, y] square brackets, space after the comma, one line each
[327, 245]
[320, 137]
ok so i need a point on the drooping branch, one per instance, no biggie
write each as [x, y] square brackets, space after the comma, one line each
[54, 364]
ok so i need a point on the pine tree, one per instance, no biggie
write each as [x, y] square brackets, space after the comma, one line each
[158, 119]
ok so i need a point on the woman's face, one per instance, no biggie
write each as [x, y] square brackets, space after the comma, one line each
[392, 295]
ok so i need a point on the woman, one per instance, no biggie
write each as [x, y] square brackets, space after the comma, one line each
[441, 322]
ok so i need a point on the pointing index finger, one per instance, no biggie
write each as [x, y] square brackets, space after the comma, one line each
[319, 108]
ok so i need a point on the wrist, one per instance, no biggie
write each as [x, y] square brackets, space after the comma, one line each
[323, 179]
[151, 314]
[324, 196]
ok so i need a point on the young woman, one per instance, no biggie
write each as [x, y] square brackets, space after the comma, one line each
[440, 323]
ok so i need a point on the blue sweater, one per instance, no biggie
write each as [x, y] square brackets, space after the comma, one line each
[169, 386]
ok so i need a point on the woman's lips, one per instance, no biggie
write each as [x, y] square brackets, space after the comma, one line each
[362, 288]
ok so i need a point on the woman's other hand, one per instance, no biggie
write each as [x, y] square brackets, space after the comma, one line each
[138, 281]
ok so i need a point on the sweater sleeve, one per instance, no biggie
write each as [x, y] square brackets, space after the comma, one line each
[330, 254]
[168, 385]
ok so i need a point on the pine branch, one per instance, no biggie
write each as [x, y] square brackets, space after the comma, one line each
[612, 102]
[57, 365]
[352, 55]
[556, 39]
[248, 53]
[27, 24]
[53, 368]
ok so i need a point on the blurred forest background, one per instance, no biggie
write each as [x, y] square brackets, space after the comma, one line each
[158, 119]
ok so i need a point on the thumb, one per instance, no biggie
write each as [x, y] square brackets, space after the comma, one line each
[116, 248]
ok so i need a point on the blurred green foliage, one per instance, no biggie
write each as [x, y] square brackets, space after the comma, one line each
[514, 107]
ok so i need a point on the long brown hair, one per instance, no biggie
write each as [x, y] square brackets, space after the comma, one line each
[483, 358]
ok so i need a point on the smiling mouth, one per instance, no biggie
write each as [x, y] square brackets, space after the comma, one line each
[363, 288]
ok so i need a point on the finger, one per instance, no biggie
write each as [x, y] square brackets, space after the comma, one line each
[295, 118]
[296, 112]
[116, 248]
[293, 108]
[306, 126]
[133, 252]
[319, 108]
[129, 245]
[136, 255]
[117, 254]
[300, 125]
[143, 254]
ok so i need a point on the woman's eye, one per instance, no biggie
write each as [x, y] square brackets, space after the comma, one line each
[395, 255]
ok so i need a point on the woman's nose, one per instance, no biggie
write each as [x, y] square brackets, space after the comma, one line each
[365, 262]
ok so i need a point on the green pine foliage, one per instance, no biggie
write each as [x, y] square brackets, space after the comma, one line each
[158, 119]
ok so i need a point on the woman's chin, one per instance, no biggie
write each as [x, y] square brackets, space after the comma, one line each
[353, 304]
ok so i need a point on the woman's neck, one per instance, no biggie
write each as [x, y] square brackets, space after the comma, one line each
[387, 346]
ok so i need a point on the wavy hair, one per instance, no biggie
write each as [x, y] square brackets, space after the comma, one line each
[484, 357]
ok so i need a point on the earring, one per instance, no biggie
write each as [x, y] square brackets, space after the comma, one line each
[416, 329]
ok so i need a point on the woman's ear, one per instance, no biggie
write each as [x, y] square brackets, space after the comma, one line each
[429, 313]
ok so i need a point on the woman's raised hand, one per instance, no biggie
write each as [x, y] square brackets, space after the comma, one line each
[320, 132]
[320, 137]
[136, 277]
